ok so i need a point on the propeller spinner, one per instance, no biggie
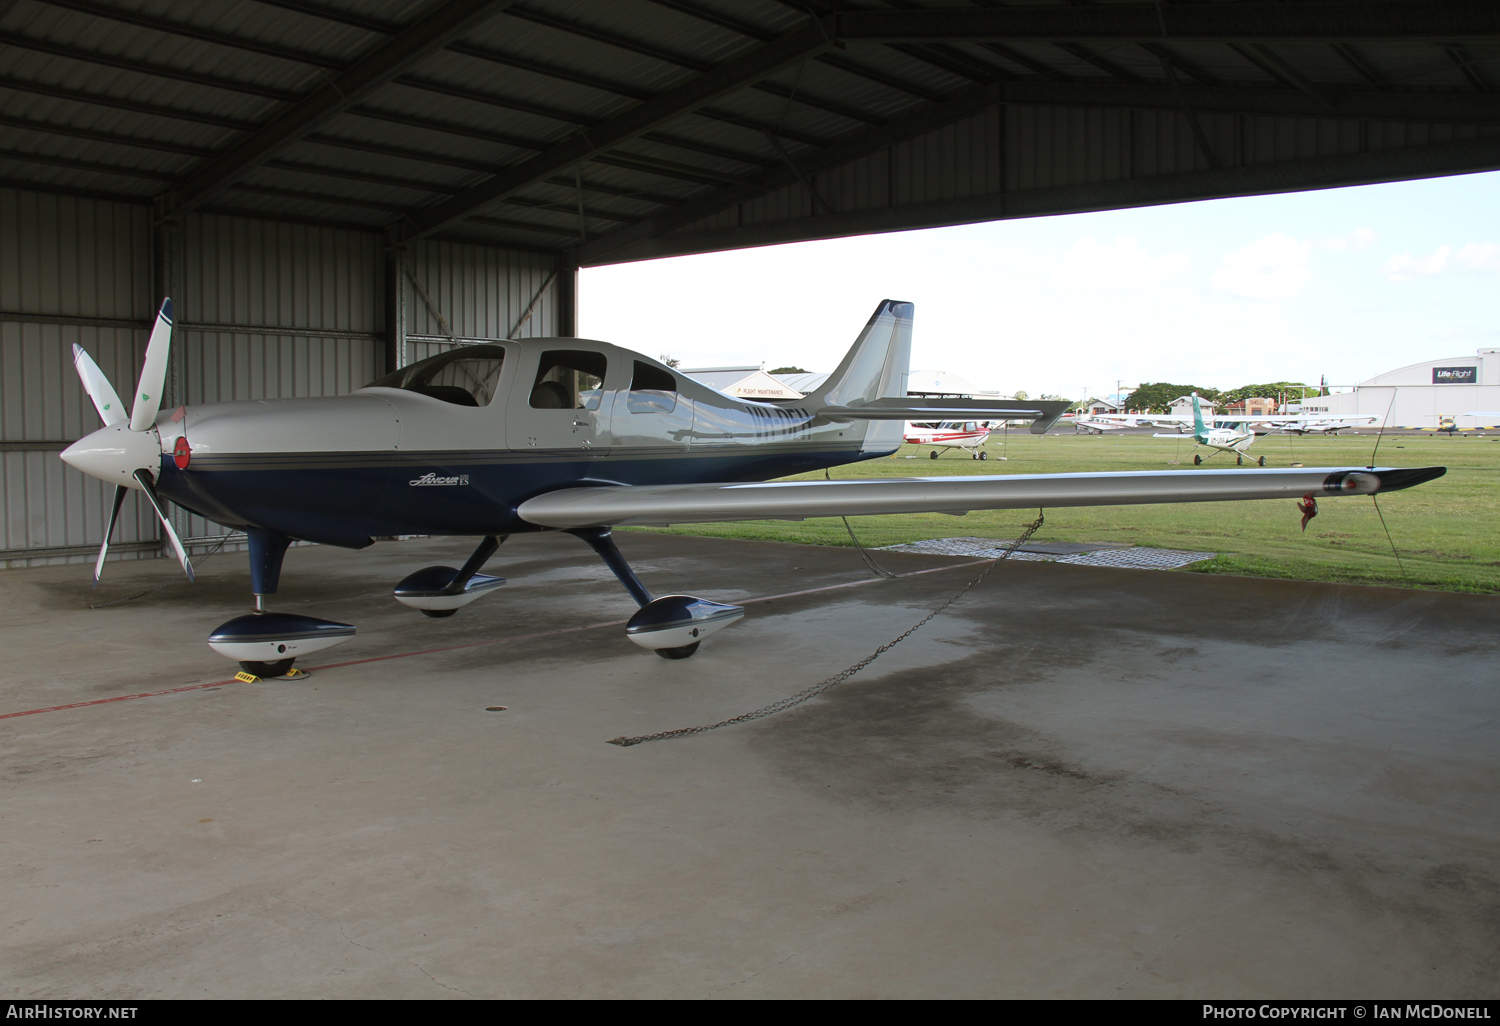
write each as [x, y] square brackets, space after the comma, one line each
[127, 452]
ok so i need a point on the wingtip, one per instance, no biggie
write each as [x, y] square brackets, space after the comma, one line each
[166, 309]
[1394, 480]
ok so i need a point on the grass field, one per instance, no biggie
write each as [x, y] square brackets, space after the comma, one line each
[1447, 532]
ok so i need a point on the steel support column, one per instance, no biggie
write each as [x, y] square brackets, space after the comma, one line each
[394, 294]
[566, 297]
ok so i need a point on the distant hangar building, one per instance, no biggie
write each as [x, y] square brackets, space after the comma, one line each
[1421, 395]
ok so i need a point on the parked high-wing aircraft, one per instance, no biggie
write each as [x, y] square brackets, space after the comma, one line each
[1235, 439]
[1290, 423]
[571, 435]
[968, 435]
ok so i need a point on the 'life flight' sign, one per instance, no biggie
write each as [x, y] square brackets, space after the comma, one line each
[1455, 375]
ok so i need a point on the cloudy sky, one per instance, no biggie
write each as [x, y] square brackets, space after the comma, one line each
[1345, 282]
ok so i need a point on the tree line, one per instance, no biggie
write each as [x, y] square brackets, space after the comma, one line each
[1153, 396]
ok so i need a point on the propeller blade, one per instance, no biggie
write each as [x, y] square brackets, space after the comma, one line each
[111, 411]
[148, 485]
[114, 514]
[153, 372]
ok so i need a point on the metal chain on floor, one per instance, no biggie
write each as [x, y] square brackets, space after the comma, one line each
[817, 689]
[875, 568]
[142, 594]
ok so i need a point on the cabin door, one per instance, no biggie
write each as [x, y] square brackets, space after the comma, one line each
[562, 403]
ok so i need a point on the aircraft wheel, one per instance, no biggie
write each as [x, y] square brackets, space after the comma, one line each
[934, 454]
[984, 455]
[681, 652]
[1239, 461]
[1197, 459]
[1263, 461]
[275, 669]
[974, 455]
[435, 613]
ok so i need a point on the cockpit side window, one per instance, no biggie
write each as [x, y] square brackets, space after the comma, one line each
[569, 379]
[652, 390]
[466, 376]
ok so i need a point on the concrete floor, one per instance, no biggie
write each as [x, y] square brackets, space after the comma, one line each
[1079, 782]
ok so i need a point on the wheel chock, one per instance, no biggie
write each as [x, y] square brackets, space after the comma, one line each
[246, 678]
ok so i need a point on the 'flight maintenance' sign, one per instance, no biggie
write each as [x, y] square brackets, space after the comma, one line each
[1455, 375]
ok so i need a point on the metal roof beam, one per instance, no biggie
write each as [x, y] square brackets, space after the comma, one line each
[584, 31]
[1105, 65]
[851, 147]
[1460, 107]
[79, 96]
[429, 35]
[147, 68]
[1432, 20]
[760, 35]
[1360, 65]
[734, 74]
[1465, 64]
[1389, 165]
[383, 149]
[458, 92]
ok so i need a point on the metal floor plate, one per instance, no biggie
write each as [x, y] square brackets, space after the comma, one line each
[1102, 555]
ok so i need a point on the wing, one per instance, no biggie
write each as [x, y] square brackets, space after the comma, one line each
[661, 505]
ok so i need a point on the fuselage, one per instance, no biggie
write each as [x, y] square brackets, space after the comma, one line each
[955, 433]
[452, 445]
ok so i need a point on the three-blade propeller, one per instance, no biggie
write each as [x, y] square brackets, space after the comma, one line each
[142, 418]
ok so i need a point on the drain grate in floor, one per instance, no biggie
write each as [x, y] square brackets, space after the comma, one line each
[1102, 554]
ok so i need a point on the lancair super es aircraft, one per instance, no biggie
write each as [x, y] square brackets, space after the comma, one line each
[570, 435]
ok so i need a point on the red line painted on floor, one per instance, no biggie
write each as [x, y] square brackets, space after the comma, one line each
[468, 644]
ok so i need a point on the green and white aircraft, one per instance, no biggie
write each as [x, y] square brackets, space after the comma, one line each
[1235, 438]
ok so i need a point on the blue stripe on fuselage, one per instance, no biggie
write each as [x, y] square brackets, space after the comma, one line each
[347, 504]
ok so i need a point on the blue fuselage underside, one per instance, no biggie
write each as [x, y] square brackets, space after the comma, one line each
[346, 499]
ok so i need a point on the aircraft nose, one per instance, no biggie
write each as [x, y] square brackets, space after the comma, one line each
[113, 454]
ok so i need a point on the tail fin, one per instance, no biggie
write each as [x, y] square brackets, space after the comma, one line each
[1198, 428]
[877, 365]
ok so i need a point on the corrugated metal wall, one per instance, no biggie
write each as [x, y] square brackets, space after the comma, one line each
[269, 309]
[265, 309]
[64, 260]
[480, 293]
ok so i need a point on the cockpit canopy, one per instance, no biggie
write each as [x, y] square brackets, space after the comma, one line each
[464, 377]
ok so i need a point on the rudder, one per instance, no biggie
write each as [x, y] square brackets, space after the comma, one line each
[878, 363]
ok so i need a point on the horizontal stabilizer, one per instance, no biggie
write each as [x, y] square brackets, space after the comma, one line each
[1043, 413]
[660, 505]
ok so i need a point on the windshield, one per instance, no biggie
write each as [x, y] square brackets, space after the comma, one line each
[464, 377]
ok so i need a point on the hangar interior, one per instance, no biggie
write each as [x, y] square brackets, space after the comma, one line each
[1068, 785]
[328, 190]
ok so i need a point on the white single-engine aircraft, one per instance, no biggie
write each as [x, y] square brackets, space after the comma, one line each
[968, 435]
[1221, 439]
[1261, 424]
[577, 436]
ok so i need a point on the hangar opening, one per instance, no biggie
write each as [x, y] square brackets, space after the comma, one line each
[330, 193]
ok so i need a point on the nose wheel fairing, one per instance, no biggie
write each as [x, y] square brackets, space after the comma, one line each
[271, 638]
[266, 644]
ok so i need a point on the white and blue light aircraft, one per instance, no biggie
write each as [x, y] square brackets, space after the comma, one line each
[566, 434]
